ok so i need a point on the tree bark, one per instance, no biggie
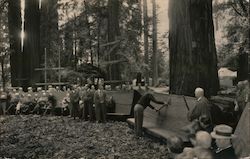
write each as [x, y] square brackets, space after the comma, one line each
[49, 34]
[145, 30]
[193, 59]
[113, 34]
[14, 20]
[155, 57]
[3, 72]
[31, 52]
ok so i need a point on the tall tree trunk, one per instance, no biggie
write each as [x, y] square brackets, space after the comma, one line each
[155, 57]
[249, 44]
[193, 60]
[31, 42]
[3, 72]
[242, 71]
[14, 20]
[145, 21]
[49, 34]
[113, 34]
[89, 31]
[68, 38]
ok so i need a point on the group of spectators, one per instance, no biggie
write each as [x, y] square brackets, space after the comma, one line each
[16, 101]
[89, 103]
[214, 145]
[85, 102]
[208, 139]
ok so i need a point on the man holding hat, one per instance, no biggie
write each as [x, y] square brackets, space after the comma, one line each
[223, 136]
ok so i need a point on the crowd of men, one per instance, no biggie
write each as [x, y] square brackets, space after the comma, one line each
[85, 102]
[209, 140]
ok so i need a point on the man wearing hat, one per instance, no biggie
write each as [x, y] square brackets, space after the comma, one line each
[223, 136]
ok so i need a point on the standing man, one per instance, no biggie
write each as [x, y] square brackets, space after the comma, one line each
[74, 101]
[3, 100]
[241, 97]
[100, 104]
[202, 106]
[52, 101]
[142, 104]
[90, 101]
[84, 99]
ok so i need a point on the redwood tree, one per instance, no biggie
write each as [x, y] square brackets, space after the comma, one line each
[31, 51]
[193, 59]
[145, 30]
[14, 20]
[113, 34]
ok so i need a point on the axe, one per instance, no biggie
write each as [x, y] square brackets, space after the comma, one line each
[164, 105]
[186, 103]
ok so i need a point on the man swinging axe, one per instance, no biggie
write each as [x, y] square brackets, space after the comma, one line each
[142, 104]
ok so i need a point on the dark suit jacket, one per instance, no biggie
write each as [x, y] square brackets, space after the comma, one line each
[202, 107]
[226, 154]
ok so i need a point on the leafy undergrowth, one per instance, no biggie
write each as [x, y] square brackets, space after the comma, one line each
[36, 136]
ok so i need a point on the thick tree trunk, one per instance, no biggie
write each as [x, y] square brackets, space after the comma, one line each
[193, 60]
[49, 34]
[145, 21]
[242, 71]
[31, 42]
[155, 57]
[249, 44]
[3, 72]
[68, 38]
[14, 20]
[113, 34]
[89, 32]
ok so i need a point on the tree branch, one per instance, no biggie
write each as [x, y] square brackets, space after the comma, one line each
[235, 9]
[243, 7]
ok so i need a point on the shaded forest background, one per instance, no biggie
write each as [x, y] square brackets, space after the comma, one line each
[116, 39]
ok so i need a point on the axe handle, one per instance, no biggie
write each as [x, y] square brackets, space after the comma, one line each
[164, 105]
[186, 103]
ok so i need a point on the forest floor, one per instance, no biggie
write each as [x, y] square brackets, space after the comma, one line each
[34, 136]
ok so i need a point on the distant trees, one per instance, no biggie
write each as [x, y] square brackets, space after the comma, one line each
[4, 45]
[193, 60]
[234, 50]
[105, 33]
[108, 34]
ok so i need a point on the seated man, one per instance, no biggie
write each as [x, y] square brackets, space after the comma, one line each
[223, 136]
[142, 104]
[241, 97]
[203, 140]
[28, 104]
[201, 149]
[13, 104]
[176, 146]
[202, 106]
[41, 104]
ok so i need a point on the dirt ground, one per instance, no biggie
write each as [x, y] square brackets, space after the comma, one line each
[34, 136]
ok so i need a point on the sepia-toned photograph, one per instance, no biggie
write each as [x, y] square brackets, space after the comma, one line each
[124, 79]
